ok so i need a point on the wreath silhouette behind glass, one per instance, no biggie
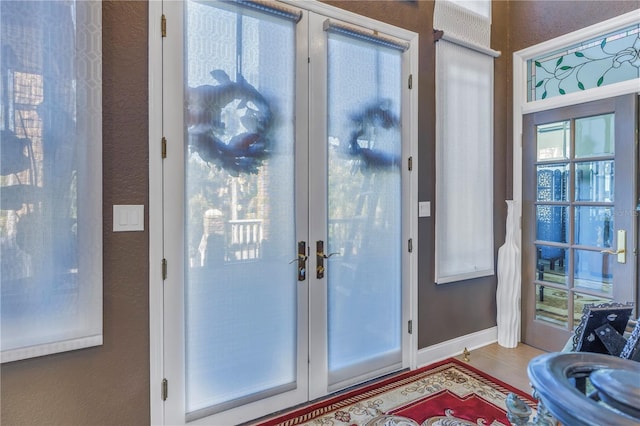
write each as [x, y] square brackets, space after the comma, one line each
[229, 124]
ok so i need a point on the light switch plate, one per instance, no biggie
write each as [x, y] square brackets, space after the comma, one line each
[128, 218]
[424, 209]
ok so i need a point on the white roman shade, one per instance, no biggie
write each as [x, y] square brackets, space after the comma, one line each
[464, 141]
[51, 187]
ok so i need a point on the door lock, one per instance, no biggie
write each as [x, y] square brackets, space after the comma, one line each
[302, 260]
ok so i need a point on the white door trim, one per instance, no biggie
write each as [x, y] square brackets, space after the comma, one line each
[155, 217]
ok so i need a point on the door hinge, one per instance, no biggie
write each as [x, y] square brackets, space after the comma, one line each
[410, 245]
[164, 147]
[410, 81]
[163, 25]
[410, 163]
[164, 269]
[165, 389]
[410, 327]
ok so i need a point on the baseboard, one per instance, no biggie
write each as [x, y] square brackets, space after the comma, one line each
[455, 346]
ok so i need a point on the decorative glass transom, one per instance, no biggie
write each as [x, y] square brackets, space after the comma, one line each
[607, 59]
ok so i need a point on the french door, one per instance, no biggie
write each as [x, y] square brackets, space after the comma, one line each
[285, 220]
[579, 220]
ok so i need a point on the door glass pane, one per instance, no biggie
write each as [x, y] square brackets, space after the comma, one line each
[595, 181]
[593, 271]
[594, 226]
[553, 141]
[580, 301]
[595, 136]
[590, 63]
[552, 223]
[551, 264]
[240, 224]
[552, 182]
[364, 214]
[552, 305]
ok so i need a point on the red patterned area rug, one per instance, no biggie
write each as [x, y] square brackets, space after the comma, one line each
[450, 393]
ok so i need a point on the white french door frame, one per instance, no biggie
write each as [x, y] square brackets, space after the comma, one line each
[160, 303]
[521, 106]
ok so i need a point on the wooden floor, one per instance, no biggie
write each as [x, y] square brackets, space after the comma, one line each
[508, 365]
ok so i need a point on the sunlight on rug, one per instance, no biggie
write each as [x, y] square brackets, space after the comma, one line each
[449, 393]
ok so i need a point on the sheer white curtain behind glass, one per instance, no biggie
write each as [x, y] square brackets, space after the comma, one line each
[240, 286]
[51, 177]
[464, 164]
[464, 145]
[364, 207]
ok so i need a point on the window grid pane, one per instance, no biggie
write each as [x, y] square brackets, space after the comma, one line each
[604, 60]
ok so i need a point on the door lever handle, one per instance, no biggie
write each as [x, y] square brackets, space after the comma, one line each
[621, 250]
[320, 257]
[299, 258]
[613, 252]
[326, 256]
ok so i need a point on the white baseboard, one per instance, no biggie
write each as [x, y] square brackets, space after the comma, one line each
[455, 346]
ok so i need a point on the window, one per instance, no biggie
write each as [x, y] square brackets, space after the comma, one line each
[600, 61]
[464, 142]
[51, 177]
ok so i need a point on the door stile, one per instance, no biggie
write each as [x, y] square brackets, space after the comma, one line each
[627, 195]
[302, 161]
[409, 171]
[318, 335]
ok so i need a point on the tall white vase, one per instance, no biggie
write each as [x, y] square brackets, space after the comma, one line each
[509, 278]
